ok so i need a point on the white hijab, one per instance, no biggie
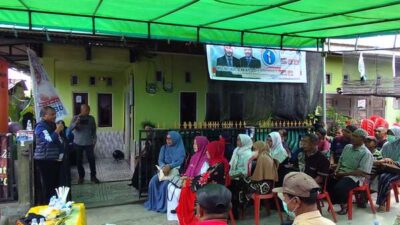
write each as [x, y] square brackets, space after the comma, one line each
[277, 152]
[244, 151]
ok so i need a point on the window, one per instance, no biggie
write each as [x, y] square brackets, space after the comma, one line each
[104, 104]
[328, 78]
[396, 103]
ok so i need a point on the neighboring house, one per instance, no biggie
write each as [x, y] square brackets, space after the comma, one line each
[340, 67]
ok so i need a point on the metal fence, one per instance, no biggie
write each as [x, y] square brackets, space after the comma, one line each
[157, 139]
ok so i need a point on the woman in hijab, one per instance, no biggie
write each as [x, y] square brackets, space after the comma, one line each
[391, 158]
[278, 152]
[198, 165]
[239, 170]
[170, 159]
[266, 171]
[218, 172]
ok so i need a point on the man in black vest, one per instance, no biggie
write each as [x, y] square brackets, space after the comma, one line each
[48, 153]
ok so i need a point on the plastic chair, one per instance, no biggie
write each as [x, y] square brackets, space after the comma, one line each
[364, 188]
[394, 186]
[257, 200]
[325, 195]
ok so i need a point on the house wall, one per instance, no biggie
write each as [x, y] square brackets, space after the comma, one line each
[163, 108]
[63, 61]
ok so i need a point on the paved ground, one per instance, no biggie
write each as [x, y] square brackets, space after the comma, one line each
[135, 214]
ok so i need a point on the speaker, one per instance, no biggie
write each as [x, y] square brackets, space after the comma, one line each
[74, 80]
[159, 76]
[132, 55]
[88, 51]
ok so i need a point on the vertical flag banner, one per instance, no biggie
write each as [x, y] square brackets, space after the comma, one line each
[361, 67]
[44, 92]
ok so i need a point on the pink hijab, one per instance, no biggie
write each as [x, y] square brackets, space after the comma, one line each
[198, 158]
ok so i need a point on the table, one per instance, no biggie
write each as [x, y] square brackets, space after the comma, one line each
[77, 217]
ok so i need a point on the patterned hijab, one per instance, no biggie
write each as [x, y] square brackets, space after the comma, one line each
[199, 158]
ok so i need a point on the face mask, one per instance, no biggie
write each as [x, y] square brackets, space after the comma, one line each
[292, 213]
[391, 138]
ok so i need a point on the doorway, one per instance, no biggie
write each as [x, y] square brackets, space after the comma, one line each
[188, 107]
[77, 100]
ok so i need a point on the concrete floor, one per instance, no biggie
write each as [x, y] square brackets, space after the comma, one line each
[136, 214]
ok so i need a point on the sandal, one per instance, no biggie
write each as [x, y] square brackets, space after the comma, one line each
[343, 211]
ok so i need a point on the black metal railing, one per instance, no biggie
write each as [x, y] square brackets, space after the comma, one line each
[157, 139]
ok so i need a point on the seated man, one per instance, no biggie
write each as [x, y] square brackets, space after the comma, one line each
[214, 203]
[381, 136]
[299, 193]
[340, 142]
[316, 164]
[354, 165]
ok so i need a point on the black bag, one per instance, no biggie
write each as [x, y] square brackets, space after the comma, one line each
[390, 168]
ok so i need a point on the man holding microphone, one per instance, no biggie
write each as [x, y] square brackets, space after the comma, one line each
[83, 127]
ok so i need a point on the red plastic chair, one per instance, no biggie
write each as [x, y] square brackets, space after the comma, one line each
[394, 186]
[364, 188]
[257, 200]
[325, 195]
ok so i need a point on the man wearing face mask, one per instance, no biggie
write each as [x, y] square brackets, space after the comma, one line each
[299, 192]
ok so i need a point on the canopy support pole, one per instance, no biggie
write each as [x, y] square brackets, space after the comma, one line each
[324, 85]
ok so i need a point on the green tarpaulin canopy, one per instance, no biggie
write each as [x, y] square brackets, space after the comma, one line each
[271, 23]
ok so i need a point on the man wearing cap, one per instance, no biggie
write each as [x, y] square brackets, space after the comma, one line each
[340, 142]
[381, 136]
[299, 192]
[214, 203]
[354, 165]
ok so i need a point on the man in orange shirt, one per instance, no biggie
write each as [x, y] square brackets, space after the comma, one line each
[214, 203]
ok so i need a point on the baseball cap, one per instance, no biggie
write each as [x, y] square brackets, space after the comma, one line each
[360, 132]
[214, 198]
[297, 184]
[351, 128]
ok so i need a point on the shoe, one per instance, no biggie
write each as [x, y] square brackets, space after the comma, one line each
[95, 180]
[342, 211]
[173, 211]
[131, 184]
[80, 180]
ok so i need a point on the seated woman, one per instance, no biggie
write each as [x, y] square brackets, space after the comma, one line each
[239, 170]
[279, 153]
[391, 158]
[198, 165]
[170, 159]
[266, 172]
[216, 173]
[324, 145]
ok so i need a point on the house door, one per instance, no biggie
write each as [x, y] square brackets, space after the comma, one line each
[77, 100]
[188, 110]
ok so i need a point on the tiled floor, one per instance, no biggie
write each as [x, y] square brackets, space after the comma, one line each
[112, 190]
[135, 214]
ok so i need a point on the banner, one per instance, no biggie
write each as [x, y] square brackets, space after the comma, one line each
[43, 91]
[256, 64]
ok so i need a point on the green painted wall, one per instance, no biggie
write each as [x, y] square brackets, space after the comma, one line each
[62, 61]
[163, 108]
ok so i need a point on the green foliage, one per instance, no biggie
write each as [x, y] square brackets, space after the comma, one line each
[337, 119]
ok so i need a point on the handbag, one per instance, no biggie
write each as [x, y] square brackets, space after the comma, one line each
[177, 181]
[390, 168]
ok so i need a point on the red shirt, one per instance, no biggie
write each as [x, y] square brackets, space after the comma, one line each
[213, 222]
